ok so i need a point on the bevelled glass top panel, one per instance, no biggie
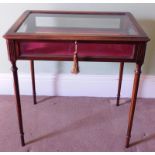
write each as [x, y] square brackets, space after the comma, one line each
[78, 23]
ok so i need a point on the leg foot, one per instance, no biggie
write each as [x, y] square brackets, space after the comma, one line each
[127, 141]
[22, 140]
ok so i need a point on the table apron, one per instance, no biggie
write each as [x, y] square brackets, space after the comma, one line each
[87, 51]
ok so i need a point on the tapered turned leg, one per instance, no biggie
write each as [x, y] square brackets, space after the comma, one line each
[18, 103]
[33, 81]
[133, 102]
[120, 82]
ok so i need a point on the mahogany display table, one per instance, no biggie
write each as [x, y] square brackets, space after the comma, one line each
[77, 36]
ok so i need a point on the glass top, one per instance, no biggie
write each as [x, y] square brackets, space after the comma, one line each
[101, 24]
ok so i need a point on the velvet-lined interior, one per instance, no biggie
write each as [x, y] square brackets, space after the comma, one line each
[85, 49]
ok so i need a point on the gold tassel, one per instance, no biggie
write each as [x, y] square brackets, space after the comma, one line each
[75, 67]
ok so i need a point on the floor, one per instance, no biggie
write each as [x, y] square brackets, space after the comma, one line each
[76, 124]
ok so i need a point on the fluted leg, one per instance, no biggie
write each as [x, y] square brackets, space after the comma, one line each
[33, 81]
[120, 82]
[133, 102]
[18, 103]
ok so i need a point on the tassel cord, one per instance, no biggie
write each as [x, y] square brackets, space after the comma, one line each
[75, 67]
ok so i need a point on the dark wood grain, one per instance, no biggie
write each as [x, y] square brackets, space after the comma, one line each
[133, 102]
[33, 81]
[18, 103]
[120, 82]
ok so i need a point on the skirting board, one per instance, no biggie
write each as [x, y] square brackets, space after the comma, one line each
[78, 85]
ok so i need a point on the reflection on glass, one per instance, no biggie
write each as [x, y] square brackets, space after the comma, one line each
[78, 23]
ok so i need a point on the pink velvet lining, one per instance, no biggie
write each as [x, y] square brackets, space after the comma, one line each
[106, 50]
[54, 48]
[85, 49]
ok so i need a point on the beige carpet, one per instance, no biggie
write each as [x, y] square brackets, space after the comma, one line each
[76, 124]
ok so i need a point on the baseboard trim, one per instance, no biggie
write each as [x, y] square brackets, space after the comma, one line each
[78, 85]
